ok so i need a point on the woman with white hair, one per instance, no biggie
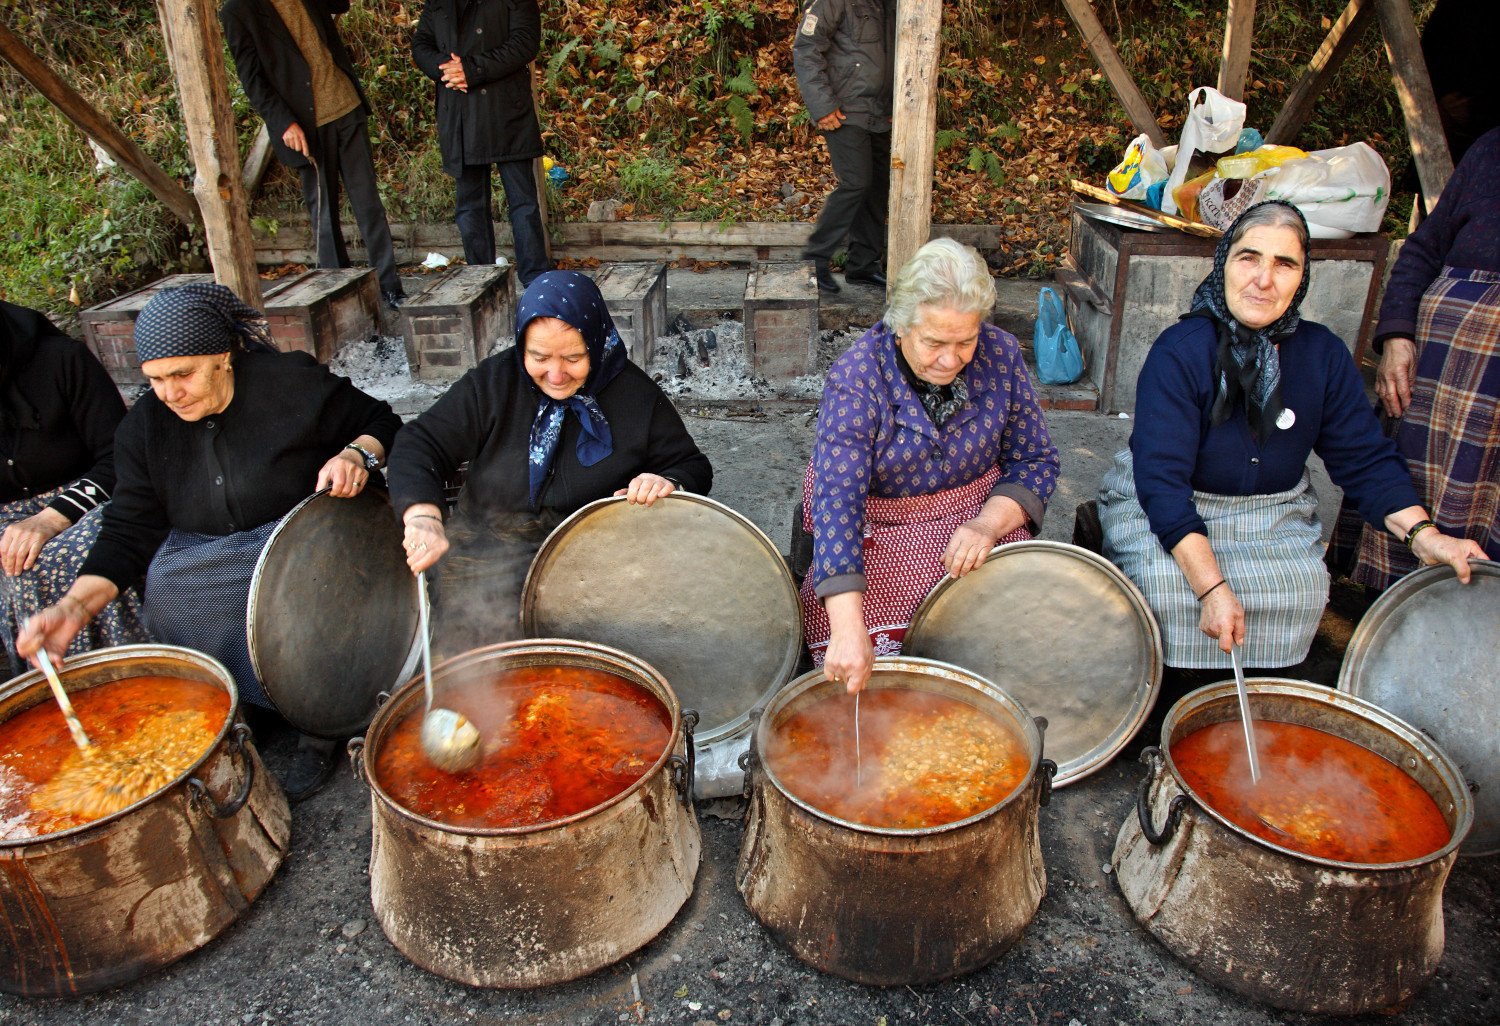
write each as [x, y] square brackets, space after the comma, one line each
[931, 449]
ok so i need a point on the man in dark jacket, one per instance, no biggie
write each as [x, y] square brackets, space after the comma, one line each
[299, 78]
[843, 54]
[479, 53]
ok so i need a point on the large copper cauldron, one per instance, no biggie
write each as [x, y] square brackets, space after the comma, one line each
[895, 906]
[534, 905]
[1276, 925]
[102, 904]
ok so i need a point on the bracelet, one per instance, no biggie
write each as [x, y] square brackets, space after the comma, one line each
[424, 516]
[1210, 590]
[1416, 528]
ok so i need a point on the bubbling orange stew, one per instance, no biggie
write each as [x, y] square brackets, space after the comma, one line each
[557, 740]
[145, 732]
[1318, 794]
[924, 759]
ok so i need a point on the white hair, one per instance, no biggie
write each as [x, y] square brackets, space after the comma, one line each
[943, 273]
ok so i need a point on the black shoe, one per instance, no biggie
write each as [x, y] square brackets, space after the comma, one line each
[866, 278]
[308, 771]
[394, 300]
[826, 282]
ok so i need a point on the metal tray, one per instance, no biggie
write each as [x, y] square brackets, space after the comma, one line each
[1425, 653]
[332, 615]
[1060, 629]
[1121, 216]
[688, 585]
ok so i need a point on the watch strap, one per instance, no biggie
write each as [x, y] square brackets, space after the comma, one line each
[372, 462]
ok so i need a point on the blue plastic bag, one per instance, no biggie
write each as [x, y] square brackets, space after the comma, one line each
[1059, 361]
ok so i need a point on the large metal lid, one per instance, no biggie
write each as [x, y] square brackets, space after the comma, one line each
[332, 616]
[1063, 631]
[686, 584]
[1425, 653]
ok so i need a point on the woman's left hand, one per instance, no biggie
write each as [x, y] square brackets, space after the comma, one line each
[22, 541]
[1432, 547]
[967, 548]
[344, 475]
[645, 489]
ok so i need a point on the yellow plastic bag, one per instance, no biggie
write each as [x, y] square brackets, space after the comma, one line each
[1253, 162]
[1186, 194]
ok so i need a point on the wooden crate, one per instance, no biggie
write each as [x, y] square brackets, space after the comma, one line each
[781, 320]
[109, 328]
[452, 323]
[318, 311]
[636, 295]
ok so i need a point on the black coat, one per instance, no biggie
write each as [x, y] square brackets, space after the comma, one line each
[495, 121]
[272, 71]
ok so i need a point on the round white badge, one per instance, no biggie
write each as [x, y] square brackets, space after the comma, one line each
[1285, 419]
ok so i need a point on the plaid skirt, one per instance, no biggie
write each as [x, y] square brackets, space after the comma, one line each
[118, 623]
[903, 550]
[1269, 548]
[1450, 435]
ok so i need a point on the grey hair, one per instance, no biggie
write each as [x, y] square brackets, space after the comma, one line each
[943, 273]
[1272, 214]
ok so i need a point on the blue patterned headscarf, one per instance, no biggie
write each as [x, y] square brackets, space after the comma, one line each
[198, 320]
[1247, 362]
[573, 298]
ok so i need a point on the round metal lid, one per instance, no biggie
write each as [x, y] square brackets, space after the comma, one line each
[1063, 631]
[332, 616]
[688, 585]
[1425, 653]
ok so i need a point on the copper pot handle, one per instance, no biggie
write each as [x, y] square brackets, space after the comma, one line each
[749, 760]
[198, 791]
[683, 767]
[356, 750]
[1152, 756]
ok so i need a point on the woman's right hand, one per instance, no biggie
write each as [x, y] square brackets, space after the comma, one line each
[850, 656]
[1394, 376]
[54, 628]
[1223, 618]
[426, 541]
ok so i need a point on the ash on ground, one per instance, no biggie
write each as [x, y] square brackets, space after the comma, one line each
[712, 363]
[378, 367]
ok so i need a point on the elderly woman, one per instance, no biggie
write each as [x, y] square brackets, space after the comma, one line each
[931, 449]
[558, 421]
[232, 436]
[1210, 511]
[58, 412]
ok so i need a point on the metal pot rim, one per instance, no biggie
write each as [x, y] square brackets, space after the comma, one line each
[583, 653]
[814, 680]
[76, 667]
[1223, 692]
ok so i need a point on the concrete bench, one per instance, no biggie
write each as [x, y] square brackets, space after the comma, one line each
[318, 311]
[452, 323]
[781, 320]
[636, 295]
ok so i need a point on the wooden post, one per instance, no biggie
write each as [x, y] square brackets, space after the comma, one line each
[96, 126]
[1429, 147]
[1108, 59]
[195, 48]
[1239, 31]
[919, 26]
[1336, 46]
[539, 172]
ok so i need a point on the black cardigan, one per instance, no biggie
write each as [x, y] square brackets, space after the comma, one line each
[233, 471]
[58, 413]
[486, 417]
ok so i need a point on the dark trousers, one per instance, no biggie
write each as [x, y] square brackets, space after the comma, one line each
[476, 226]
[857, 208]
[341, 150]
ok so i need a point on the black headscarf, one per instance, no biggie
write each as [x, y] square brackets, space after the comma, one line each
[199, 320]
[1247, 363]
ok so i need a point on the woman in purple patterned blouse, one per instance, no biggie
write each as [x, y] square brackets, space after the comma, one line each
[931, 449]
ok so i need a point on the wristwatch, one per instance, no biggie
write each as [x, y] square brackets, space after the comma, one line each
[372, 462]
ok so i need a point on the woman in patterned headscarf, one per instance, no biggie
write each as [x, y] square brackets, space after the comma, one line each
[558, 421]
[232, 435]
[1210, 511]
[931, 449]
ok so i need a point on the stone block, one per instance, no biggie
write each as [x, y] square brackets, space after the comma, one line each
[109, 327]
[781, 320]
[636, 295]
[318, 311]
[454, 322]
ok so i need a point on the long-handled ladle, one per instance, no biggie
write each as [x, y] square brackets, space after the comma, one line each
[449, 740]
[1239, 686]
[74, 727]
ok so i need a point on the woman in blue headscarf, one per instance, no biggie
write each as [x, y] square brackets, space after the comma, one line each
[558, 421]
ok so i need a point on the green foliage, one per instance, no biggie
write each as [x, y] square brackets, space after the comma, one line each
[651, 184]
[559, 60]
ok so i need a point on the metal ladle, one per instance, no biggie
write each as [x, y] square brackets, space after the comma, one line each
[449, 740]
[1244, 697]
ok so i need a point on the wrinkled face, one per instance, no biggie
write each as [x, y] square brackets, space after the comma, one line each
[940, 344]
[193, 387]
[556, 357]
[1262, 274]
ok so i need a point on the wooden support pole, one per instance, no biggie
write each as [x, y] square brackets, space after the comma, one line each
[256, 162]
[1108, 59]
[96, 126]
[1429, 147]
[195, 48]
[919, 29]
[1346, 31]
[1239, 32]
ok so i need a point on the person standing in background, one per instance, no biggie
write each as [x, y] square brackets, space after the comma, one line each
[479, 52]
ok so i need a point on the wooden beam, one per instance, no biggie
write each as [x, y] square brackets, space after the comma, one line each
[919, 29]
[1429, 147]
[1346, 31]
[1108, 59]
[195, 48]
[96, 126]
[256, 162]
[1239, 32]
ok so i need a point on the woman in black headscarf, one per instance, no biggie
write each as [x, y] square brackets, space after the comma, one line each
[232, 436]
[547, 427]
[1210, 511]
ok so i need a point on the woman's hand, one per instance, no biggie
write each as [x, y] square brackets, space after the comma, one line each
[1432, 546]
[972, 540]
[344, 475]
[1223, 618]
[850, 656]
[645, 489]
[56, 626]
[426, 541]
[1394, 376]
[22, 541]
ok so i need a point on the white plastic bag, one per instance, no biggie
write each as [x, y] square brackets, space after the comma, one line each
[1224, 199]
[1212, 127]
[1345, 189]
[1140, 168]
